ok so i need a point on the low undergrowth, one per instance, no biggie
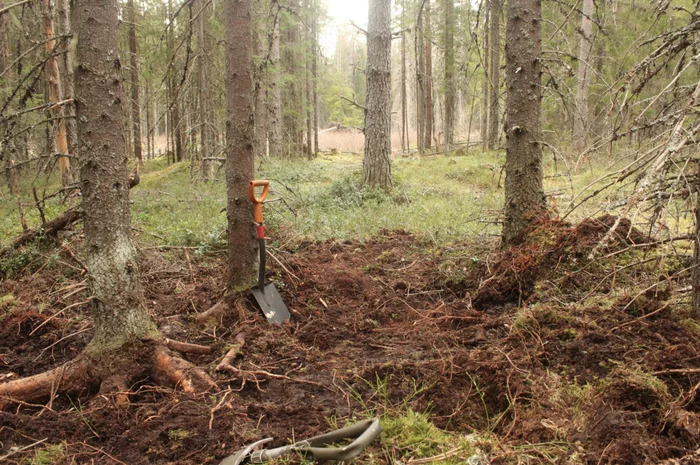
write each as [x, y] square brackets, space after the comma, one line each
[444, 198]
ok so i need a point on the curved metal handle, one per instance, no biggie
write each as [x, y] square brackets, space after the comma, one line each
[319, 447]
[363, 434]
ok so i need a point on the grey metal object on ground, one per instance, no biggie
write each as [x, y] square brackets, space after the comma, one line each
[319, 448]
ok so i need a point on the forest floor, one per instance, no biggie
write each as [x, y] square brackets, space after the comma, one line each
[556, 352]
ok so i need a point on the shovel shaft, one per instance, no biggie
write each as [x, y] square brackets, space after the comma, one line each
[261, 269]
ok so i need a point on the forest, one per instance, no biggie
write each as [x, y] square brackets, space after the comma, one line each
[397, 232]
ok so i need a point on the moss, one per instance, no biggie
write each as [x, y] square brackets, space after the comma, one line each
[6, 301]
[49, 455]
[691, 325]
[413, 435]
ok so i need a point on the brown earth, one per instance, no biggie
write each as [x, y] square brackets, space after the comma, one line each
[377, 326]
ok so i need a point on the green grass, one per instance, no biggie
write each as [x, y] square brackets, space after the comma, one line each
[443, 198]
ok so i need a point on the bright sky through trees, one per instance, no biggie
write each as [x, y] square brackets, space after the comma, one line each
[342, 12]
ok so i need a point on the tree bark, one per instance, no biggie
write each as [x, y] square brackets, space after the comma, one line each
[56, 94]
[524, 194]
[261, 108]
[494, 69]
[428, 95]
[377, 160]
[584, 77]
[405, 145]
[135, 88]
[485, 87]
[307, 79]
[174, 103]
[293, 110]
[314, 73]
[275, 92]
[696, 260]
[203, 97]
[450, 84]
[120, 316]
[4, 44]
[242, 248]
[420, 84]
[67, 74]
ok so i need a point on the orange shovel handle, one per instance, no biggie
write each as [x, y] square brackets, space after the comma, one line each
[258, 201]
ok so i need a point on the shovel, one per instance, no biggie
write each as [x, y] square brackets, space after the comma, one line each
[318, 447]
[266, 295]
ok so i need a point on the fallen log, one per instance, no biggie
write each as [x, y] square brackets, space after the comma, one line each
[50, 228]
[61, 222]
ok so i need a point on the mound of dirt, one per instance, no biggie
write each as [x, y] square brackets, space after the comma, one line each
[552, 248]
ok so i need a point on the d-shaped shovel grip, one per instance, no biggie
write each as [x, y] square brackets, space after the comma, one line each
[258, 201]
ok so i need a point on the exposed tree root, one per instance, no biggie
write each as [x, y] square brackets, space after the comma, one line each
[187, 348]
[214, 314]
[235, 351]
[168, 368]
[72, 377]
[86, 373]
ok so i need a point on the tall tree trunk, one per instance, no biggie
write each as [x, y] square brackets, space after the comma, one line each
[240, 127]
[203, 97]
[4, 46]
[486, 83]
[584, 77]
[307, 80]
[696, 258]
[261, 109]
[175, 123]
[135, 88]
[120, 314]
[149, 128]
[56, 94]
[314, 72]
[377, 159]
[5, 157]
[524, 194]
[274, 88]
[450, 84]
[67, 73]
[420, 84]
[405, 145]
[428, 95]
[494, 68]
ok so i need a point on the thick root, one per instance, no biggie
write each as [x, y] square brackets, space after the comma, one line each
[214, 314]
[235, 351]
[187, 348]
[169, 369]
[71, 377]
[89, 372]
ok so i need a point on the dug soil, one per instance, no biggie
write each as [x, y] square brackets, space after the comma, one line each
[378, 327]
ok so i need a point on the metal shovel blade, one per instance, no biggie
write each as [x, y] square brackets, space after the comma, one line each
[271, 303]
